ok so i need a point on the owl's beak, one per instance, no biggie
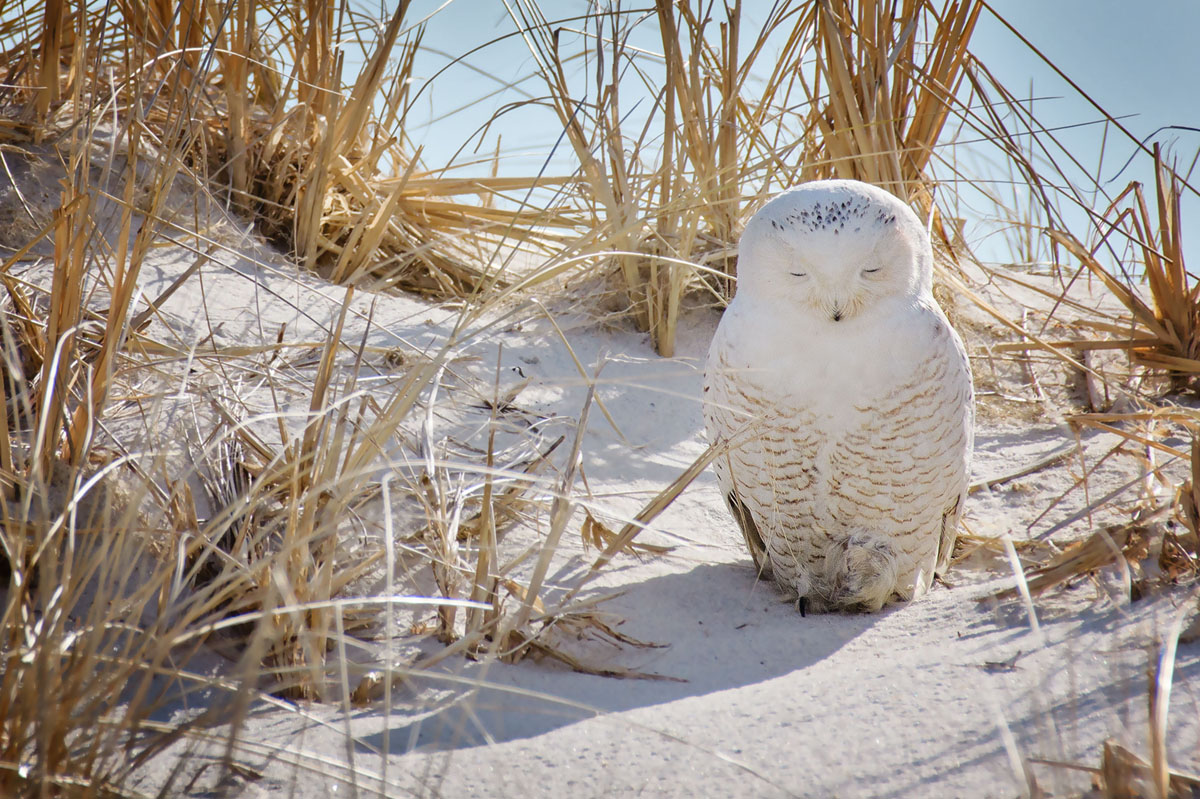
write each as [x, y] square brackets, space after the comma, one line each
[835, 307]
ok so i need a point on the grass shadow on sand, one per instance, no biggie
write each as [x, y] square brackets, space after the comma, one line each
[725, 632]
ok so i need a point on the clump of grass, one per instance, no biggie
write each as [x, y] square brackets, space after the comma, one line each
[322, 168]
[878, 99]
[1166, 329]
[110, 585]
[196, 86]
[82, 639]
[670, 192]
[848, 94]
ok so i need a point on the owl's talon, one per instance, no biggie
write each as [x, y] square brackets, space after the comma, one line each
[860, 572]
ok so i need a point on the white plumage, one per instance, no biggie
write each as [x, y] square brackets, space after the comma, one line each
[847, 397]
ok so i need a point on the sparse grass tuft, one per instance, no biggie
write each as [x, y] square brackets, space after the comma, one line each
[1166, 329]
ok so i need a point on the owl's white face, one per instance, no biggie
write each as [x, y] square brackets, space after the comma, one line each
[830, 249]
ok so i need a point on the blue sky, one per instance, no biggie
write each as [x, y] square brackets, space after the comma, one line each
[1141, 64]
[1133, 58]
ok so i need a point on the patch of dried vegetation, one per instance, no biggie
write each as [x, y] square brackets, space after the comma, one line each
[119, 566]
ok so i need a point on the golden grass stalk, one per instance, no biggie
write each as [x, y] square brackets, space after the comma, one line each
[53, 24]
[1161, 680]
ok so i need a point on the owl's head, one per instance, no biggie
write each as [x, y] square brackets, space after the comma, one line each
[834, 247]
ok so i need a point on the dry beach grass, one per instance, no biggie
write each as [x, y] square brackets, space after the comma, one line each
[291, 500]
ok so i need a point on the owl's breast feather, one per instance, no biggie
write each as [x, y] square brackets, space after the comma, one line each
[827, 367]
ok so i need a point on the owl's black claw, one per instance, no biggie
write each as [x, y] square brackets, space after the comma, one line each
[802, 606]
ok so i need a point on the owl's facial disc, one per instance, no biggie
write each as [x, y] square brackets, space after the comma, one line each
[836, 285]
[831, 252]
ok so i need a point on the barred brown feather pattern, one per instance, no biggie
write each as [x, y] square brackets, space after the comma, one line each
[896, 470]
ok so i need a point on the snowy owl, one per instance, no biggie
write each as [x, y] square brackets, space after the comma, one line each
[846, 398]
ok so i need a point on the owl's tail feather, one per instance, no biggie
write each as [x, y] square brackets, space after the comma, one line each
[860, 573]
[754, 542]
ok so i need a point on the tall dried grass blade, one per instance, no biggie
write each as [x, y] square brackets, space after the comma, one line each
[561, 510]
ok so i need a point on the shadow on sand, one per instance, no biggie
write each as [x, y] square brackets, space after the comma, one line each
[724, 629]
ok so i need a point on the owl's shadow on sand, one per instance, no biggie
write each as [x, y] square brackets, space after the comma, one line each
[723, 629]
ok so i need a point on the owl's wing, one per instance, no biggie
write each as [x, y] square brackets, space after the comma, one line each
[754, 542]
[719, 417]
[948, 536]
[955, 354]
